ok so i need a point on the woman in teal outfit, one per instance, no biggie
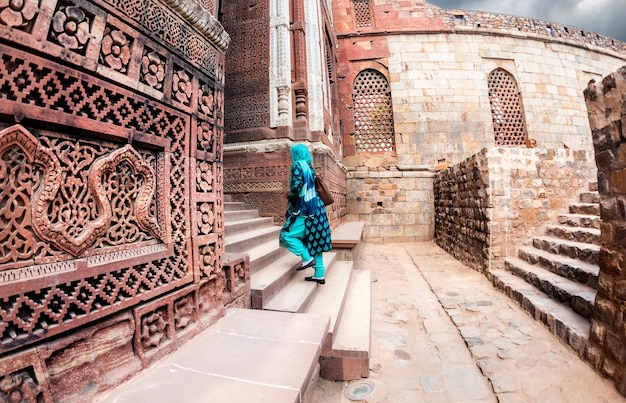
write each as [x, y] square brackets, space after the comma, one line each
[306, 232]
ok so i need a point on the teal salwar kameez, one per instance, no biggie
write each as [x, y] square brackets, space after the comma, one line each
[306, 232]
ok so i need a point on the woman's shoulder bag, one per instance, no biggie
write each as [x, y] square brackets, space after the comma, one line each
[323, 191]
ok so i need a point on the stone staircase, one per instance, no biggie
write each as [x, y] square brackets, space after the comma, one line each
[555, 279]
[276, 286]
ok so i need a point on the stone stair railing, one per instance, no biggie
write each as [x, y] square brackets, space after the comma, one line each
[275, 285]
[555, 279]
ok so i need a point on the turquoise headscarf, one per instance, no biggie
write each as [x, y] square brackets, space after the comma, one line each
[301, 157]
[300, 153]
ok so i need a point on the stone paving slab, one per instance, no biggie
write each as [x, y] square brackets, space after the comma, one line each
[249, 355]
[442, 333]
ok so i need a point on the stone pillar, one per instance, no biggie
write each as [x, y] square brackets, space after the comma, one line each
[606, 105]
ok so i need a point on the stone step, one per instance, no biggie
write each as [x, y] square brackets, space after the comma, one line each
[576, 250]
[573, 269]
[348, 356]
[233, 205]
[585, 208]
[236, 215]
[329, 298]
[580, 220]
[243, 241]
[578, 296]
[269, 280]
[297, 294]
[264, 254]
[590, 197]
[568, 326]
[576, 234]
[233, 227]
[248, 355]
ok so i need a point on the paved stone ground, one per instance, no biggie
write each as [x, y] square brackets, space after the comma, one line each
[442, 333]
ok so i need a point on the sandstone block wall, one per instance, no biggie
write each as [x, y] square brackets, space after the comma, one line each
[440, 91]
[497, 200]
[438, 64]
[396, 206]
[606, 102]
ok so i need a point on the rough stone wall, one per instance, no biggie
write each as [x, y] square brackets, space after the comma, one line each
[463, 211]
[111, 217]
[606, 102]
[489, 205]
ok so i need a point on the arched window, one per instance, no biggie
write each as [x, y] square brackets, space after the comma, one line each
[373, 119]
[509, 124]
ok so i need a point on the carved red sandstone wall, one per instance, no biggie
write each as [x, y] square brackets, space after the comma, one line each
[111, 217]
[247, 77]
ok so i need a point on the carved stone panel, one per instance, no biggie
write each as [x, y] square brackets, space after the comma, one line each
[109, 188]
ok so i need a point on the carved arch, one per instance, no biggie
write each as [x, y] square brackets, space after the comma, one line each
[35, 154]
[142, 204]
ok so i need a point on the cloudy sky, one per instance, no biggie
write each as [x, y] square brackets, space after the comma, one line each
[606, 17]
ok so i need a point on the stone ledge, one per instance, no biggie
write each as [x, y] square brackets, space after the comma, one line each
[346, 239]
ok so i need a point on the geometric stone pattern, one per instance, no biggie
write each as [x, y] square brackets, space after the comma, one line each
[174, 316]
[110, 186]
[373, 119]
[22, 379]
[237, 270]
[606, 103]
[362, 16]
[506, 109]
[248, 95]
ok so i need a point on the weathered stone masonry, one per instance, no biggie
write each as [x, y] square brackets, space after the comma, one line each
[497, 200]
[606, 103]
[463, 210]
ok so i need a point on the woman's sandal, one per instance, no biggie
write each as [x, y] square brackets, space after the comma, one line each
[311, 263]
[317, 280]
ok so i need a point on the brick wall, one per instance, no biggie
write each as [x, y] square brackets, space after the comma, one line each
[606, 102]
[498, 199]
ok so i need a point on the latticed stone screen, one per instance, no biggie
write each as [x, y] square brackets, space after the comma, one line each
[506, 109]
[362, 16]
[373, 120]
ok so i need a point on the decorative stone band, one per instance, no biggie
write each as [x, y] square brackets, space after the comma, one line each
[202, 20]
